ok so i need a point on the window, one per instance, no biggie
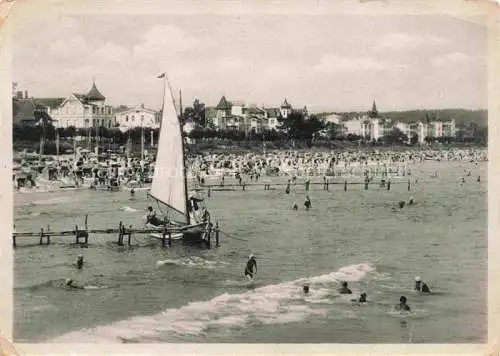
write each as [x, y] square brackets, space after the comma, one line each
[126, 118]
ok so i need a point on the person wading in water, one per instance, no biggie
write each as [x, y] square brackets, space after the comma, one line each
[251, 268]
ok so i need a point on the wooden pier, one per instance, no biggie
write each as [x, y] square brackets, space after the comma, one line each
[326, 184]
[165, 234]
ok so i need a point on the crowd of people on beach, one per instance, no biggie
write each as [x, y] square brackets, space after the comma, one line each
[85, 169]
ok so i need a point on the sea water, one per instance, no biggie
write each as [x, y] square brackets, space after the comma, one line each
[147, 293]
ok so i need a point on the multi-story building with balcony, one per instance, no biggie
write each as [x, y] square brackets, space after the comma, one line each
[84, 111]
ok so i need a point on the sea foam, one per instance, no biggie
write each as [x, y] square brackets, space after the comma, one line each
[269, 305]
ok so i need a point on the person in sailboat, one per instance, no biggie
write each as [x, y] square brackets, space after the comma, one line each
[195, 207]
[152, 219]
[251, 267]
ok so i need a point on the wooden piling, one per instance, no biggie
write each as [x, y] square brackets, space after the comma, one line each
[41, 236]
[48, 234]
[217, 234]
[169, 239]
[409, 185]
[163, 236]
[129, 234]
[208, 239]
[14, 241]
[209, 192]
[345, 186]
[76, 234]
[120, 234]
[366, 184]
[389, 185]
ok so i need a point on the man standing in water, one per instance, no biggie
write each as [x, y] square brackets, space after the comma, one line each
[307, 203]
[251, 268]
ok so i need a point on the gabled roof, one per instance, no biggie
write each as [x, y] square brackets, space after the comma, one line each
[286, 105]
[25, 111]
[137, 108]
[94, 94]
[255, 110]
[22, 110]
[81, 97]
[52, 103]
[223, 104]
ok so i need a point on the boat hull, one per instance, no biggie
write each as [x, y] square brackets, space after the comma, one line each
[194, 234]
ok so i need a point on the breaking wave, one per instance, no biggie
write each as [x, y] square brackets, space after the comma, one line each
[272, 304]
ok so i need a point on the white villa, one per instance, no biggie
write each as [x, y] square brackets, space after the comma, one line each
[138, 116]
[83, 111]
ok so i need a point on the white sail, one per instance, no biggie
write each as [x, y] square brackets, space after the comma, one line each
[168, 181]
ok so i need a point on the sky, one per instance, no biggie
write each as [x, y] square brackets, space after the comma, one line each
[331, 62]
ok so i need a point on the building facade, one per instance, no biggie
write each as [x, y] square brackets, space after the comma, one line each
[236, 115]
[84, 111]
[138, 116]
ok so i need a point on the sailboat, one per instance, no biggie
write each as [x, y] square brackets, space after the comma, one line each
[169, 187]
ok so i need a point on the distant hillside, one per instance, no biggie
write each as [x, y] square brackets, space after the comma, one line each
[461, 116]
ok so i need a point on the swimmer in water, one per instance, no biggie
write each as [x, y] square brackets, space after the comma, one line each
[362, 298]
[305, 288]
[401, 204]
[70, 284]
[402, 304]
[132, 192]
[79, 262]
[344, 289]
[295, 206]
[251, 267]
[411, 201]
[421, 286]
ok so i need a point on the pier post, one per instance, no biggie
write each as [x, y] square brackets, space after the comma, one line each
[48, 235]
[120, 234]
[14, 241]
[327, 185]
[409, 185]
[389, 185]
[41, 236]
[345, 186]
[217, 234]
[209, 193]
[208, 239]
[76, 234]
[129, 234]
[169, 239]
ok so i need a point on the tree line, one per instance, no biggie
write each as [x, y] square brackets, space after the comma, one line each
[297, 127]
